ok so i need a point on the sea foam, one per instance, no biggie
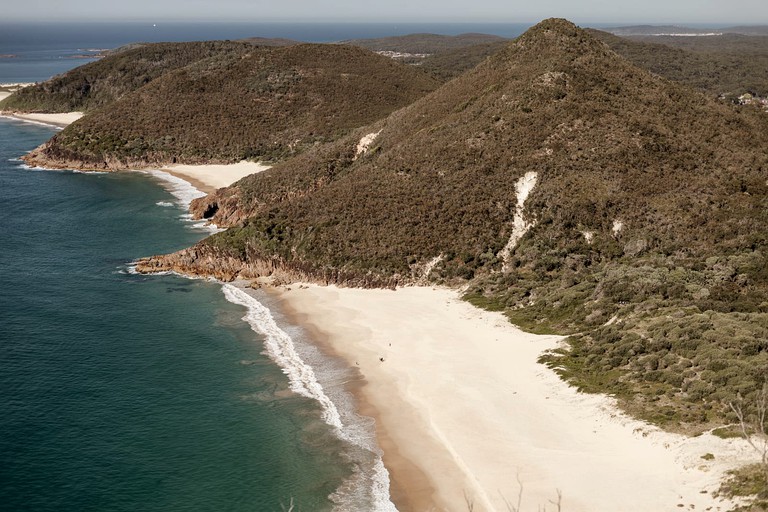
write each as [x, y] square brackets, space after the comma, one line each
[368, 486]
[182, 190]
[281, 349]
[184, 193]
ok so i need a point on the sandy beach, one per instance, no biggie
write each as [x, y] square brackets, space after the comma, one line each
[60, 120]
[206, 178]
[210, 177]
[466, 414]
[6, 89]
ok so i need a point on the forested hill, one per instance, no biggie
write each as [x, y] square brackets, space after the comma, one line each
[128, 68]
[664, 30]
[564, 186]
[424, 44]
[266, 103]
[444, 57]
[729, 64]
[99, 83]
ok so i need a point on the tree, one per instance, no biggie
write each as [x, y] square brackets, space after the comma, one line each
[753, 426]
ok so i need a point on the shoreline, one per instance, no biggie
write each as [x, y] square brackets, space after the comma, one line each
[465, 413]
[327, 380]
[205, 178]
[57, 120]
[410, 487]
[376, 479]
[210, 177]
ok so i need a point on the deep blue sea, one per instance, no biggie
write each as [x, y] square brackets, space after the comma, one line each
[122, 392]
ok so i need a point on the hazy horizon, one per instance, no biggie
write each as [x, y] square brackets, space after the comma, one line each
[399, 25]
[420, 21]
[681, 12]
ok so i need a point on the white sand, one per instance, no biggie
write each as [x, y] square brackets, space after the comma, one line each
[520, 226]
[210, 177]
[11, 88]
[464, 411]
[365, 143]
[62, 120]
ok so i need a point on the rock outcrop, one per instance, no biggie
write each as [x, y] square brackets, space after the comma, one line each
[205, 261]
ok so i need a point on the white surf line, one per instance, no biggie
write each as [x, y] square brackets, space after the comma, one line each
[303, 381]
[185, 193]
[281, 349]
[183, 190]
[16, 85]
[523, 187]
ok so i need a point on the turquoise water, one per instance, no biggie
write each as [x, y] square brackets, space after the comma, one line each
[128, 392]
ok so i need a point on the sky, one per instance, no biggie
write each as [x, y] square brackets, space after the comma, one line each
[713, 12]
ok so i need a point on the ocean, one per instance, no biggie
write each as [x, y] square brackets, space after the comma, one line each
[129, 392]
[123, 392]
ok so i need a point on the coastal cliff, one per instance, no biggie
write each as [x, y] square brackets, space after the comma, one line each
[208, 261]
[226, 205]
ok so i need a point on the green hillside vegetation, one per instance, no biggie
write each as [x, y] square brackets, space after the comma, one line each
[648, 237]
[729, 64]
[425, 43]
[99, 83]
[445, 57]
[646, 30]
[649, 30]
[266, 104]
[270, 41]
[452, 63]
[732, 44]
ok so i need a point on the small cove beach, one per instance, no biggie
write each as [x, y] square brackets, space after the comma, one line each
[59, 120]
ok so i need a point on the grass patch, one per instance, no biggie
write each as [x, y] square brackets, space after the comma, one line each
[728, 432]
[483, 302]
[745, 482]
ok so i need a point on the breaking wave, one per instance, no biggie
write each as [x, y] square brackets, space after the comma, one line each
[184, 193]
[368, 487]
